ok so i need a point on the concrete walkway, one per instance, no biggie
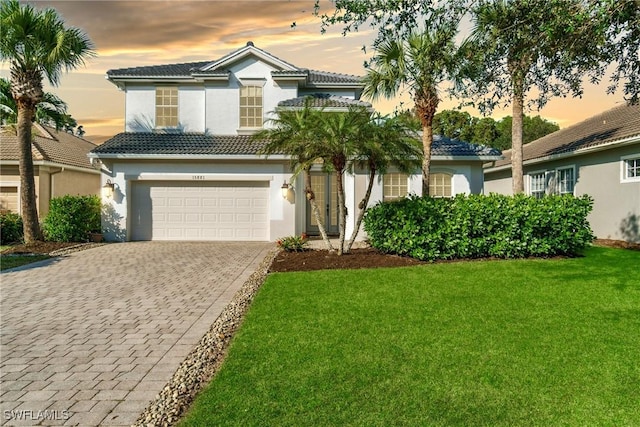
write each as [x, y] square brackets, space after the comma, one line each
[91, 338]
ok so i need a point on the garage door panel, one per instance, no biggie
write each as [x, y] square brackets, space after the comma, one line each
[200, 210]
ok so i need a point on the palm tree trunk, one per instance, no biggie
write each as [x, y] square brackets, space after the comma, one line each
[314, 209]
[516, 143]
[342, 211]
[427, 141]
[29, 210]
[362, 209]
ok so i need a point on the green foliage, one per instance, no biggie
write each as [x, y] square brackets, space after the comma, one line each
[479, 226]
[293, 243]
[72, 218]
[10, 228]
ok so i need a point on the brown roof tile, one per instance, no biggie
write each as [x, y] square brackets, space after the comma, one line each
[613, 125]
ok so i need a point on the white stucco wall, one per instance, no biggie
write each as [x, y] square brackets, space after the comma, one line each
[191, 108]
[140, 102]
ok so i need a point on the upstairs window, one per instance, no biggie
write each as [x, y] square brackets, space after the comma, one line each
[394, 186]
[166, 107]
[251, 107]
[565, 180]
[631, 168]
[440, 185]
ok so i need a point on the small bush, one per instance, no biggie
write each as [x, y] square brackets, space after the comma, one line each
[10, 228]
[478, 226]
[293, 243]
[72, 218]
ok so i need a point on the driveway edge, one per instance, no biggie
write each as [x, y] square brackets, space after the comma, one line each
[206, 358]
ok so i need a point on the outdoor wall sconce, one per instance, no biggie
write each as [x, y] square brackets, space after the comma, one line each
[285, 190]
[107, 189]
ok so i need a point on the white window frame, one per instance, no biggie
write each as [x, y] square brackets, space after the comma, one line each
[559, 171]
[544, 183]
[257, 85]
[388, 198]
[624, 178]
[450, 174]
[177, 107]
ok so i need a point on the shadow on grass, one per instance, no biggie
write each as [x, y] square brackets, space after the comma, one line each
[13, 263]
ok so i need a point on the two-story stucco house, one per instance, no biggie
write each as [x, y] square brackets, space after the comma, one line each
[186, 169]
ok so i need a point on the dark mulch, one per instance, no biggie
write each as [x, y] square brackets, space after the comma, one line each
[41, 248]
[325, 260]
[370, 258]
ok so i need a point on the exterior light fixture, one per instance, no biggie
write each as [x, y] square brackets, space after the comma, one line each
[107, 189]
[285, 190]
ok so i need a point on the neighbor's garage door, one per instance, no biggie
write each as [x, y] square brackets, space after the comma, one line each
[9, 198]
[204, 210]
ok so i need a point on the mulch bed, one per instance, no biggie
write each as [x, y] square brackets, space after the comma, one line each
[370, 258]
[40, 248]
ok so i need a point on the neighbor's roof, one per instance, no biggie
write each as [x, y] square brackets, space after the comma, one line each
[49, 145]
[132, 144]
[217, 68]
[615, 125]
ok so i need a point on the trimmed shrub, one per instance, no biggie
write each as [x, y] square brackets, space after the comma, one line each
[11, 230]
[477, 226]
[72, 218]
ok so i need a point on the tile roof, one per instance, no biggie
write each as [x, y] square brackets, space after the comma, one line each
[318, 100]
[52, 146]
[443, 146]
[148, 143]
[192, 69]
[613, 125]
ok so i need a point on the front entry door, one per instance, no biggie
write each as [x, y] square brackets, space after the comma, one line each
[325, 188]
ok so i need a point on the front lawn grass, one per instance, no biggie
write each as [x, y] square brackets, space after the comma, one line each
[487, 343]
[12, 261]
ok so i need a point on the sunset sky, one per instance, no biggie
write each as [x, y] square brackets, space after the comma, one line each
[137, 33]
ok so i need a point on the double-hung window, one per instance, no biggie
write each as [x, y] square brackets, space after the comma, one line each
[166, 106]
[251, 107]
[440, 184]
[565, 180]
[394, 186]
[631, 168]
[537, 184]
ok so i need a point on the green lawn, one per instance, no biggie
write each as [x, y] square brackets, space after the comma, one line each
[12, 261]
[487, 343]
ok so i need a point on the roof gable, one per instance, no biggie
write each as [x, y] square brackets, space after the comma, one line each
[245, 52]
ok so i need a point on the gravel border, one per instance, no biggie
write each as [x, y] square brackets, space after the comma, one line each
[76, 248]
[206, 358]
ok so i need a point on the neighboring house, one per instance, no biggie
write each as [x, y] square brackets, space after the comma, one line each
[61, 167]
[186, 169]
[599, 157]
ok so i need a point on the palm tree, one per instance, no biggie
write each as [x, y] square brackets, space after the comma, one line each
[387, 142]
[419, 62]
[36, 44]
[295, 133]
[50, 111]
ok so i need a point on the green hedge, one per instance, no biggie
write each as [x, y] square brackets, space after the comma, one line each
[478, 226]
[10, 228]
[72, 218]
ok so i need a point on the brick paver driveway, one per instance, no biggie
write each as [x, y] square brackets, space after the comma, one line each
[90, 338]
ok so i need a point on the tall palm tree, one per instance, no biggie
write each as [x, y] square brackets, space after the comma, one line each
[50, 111]
[419, 63]
[36, 44]
[386, 142]
[295, 133]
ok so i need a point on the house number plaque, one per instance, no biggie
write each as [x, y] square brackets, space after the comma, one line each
[197, 177]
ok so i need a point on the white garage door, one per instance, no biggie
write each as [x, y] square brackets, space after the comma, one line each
[205, 210]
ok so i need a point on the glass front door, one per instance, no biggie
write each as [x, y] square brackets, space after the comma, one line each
[325, 188]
